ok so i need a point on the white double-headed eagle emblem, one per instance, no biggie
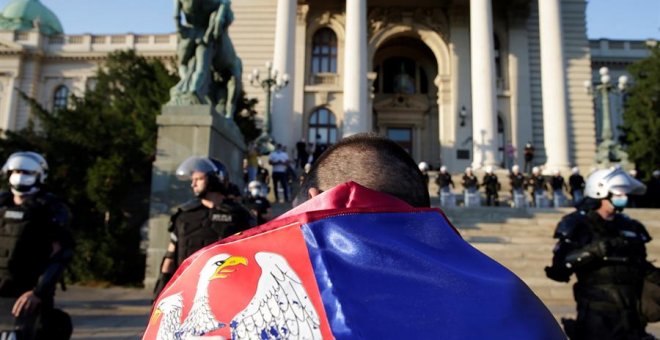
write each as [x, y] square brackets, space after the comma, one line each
[279, 309]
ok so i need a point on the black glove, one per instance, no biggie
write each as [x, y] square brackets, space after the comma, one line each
[558, 274]
[163, 279]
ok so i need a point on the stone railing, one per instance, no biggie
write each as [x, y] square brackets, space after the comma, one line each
[103, 43]
[324, 79]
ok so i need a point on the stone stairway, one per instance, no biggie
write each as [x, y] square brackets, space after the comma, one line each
[521, 240]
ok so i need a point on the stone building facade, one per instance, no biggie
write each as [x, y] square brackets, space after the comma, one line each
[456, 82]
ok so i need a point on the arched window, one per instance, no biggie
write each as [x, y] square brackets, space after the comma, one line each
[324, 51]
[399, 75]
[60, 97]
[322, 127]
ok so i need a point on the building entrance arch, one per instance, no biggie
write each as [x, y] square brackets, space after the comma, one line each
[411, 86]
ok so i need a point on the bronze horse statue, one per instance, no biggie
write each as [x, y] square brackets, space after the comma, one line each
[209, 68]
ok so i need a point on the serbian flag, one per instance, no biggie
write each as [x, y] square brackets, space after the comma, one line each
[351, 263]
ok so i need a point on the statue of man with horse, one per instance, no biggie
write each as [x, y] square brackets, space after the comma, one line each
[208, 66]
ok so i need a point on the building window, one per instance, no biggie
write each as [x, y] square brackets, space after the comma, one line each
[324, 51]
[401, 136]
[501, 140]
[498, 58]
[401, 75]
[322, 127]
[60, 97]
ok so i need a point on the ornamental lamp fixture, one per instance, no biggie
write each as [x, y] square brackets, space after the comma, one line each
[462, 114]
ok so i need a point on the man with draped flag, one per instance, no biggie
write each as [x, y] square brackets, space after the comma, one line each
[361, 256]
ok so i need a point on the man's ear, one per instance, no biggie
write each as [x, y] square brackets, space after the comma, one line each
[313, 192]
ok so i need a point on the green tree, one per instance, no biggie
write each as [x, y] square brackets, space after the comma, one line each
[642, 113]
[100, 150]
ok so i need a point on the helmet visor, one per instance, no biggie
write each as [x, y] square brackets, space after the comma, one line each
[22, 162]
[194, 164]
[621, 183]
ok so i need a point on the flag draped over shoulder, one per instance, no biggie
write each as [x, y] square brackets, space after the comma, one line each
[350, 263]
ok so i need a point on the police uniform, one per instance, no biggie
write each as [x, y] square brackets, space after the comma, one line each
[538, 187]
[609, 260]
[27, 262]
[444, 181]
[517, 181]
[492, 186]
[260, 205]
[195, 226]
[470, 182]
[576, 182]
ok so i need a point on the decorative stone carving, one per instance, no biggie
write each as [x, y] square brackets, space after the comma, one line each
[434, 18]
[301, 15]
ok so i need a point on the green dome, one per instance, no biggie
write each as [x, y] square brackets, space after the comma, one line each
[19, 15]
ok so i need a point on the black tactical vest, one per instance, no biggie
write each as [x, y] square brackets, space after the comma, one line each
[26, 240]
[197, 226]
[627, 250]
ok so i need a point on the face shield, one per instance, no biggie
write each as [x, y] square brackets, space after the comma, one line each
[25, 169]
[194, 164]
[604, 182]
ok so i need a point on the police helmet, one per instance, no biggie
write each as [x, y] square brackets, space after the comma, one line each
[215, 171]
[34, 172]
[27, 161]
[615, 181]
[254, 185]
[575, 170]
[443, 169]
[468, 169]
[515, 168]
[423, 166]
[489, 169]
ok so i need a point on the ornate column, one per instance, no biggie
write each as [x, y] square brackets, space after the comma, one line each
[355, 69]
[484, 105]
[299, 124]
[283, 63]
[553, 86]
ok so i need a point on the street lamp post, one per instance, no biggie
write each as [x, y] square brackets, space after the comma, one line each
[608, 151]
[271, 83]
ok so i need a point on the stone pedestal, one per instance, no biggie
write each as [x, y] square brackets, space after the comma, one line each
[185, 131]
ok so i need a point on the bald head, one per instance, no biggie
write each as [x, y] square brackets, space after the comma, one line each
[372, 161]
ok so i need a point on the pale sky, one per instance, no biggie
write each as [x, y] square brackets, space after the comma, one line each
[613, 19]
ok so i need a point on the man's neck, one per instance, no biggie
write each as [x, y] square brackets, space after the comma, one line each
[18, 200]
[605, 214]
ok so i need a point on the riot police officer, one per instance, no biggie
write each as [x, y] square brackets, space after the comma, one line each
[518, 185]
[576, 183]
[258, 204]
[558, 186]
[606, 251]
[35, 247]
[211, 216]
[492, 185]
[471, 186]
[445, 183]
[424, 168]
[538, 186]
